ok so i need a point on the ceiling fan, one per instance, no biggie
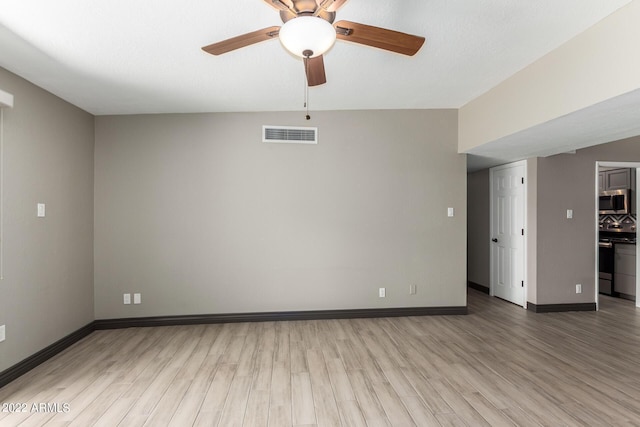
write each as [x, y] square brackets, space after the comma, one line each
[308, 31]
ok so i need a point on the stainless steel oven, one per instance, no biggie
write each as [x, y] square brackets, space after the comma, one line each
[611, 234]
[605, 261]
[616, 202]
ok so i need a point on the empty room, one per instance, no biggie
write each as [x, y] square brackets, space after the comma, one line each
[319, 213]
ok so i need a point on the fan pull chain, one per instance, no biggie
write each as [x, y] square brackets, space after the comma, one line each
[306, 100]
[307, 54]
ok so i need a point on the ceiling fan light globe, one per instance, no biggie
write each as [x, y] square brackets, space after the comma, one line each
[307, 33]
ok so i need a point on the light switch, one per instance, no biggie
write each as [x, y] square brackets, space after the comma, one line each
[450, 212]
[126, 298]
[137, 298]
[41, 210]
[569, 213]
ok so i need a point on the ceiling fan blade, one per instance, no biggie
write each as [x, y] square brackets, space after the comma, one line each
[331, 5]
[286, 8]
[242, 41]
[315, 71]
[279, 4]
[381, 38]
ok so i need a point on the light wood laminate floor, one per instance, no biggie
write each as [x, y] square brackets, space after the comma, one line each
[499, 365]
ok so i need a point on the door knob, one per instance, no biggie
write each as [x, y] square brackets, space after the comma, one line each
[494, 240]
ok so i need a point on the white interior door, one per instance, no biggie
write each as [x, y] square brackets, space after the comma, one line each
[507, 232]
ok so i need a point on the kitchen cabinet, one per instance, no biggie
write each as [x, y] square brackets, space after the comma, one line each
[616, 179]
[625, 270]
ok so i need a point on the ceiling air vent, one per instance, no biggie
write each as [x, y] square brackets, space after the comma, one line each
[289, 134]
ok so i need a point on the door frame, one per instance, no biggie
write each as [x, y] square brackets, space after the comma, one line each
[633, 165]
[525, 273]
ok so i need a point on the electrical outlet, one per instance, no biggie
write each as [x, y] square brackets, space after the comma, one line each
[127, 298]
[412, 289]
[137, 298]
[382, 292]
[2, 333]
[578, 288]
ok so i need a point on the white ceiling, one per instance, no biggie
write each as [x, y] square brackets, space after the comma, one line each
[144, 56]
[123, 56]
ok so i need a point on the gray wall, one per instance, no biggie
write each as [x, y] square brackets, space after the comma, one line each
[47, 290]
[200, 216]
[566, 248]
[561, 252]
[478, 228]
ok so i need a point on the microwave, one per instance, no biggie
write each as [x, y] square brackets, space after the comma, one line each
[615, 202]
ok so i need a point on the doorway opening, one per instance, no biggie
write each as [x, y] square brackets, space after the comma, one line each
[616, 207]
